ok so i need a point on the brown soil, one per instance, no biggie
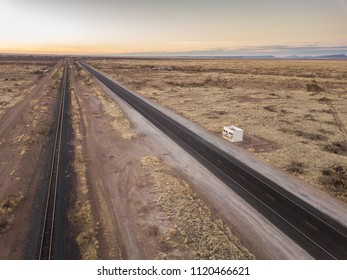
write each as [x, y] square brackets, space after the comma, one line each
[187, 229]
[24, 135]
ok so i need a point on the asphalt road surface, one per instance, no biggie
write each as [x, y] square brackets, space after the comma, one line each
[320, 235]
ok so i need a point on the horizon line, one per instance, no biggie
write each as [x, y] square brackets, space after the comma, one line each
[341, 56]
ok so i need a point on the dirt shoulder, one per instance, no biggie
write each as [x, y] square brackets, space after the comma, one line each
[23, 144]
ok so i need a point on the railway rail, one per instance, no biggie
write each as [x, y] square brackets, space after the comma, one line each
[320, 235]
[47, 233]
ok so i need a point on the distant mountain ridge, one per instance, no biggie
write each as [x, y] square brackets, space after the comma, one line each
[333, 56]
[298, 57]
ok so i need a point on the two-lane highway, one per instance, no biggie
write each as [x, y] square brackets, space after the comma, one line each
[320, 235]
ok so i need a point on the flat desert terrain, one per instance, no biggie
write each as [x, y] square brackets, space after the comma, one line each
[28, 91]
[18, 78]
[123, 201]
[293, 112]
[130, 192]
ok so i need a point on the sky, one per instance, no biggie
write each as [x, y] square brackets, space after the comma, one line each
[174, 27]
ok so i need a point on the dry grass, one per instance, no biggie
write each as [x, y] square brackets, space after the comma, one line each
[7, 207]
[193, 227]
[300, 106]
[335, 178]
[18, 79]
[296, 167]
[337, 147]
[40, 122]
[81, 218]
[313, 86]
[26, 141]
[119, 123]
[81, 213]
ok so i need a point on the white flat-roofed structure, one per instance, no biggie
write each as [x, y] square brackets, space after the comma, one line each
[233, 133]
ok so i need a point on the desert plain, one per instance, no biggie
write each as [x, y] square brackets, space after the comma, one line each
[293, 112]
[134, 194]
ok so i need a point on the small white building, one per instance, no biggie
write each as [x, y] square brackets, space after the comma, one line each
[233, 133]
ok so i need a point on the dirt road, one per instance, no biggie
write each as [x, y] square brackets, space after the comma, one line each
[24, 136]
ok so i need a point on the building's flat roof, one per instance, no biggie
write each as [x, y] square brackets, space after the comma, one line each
[232, 127]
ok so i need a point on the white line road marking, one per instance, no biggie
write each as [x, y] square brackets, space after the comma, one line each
[312, 226]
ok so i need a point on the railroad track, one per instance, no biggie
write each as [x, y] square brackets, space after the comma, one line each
[47, 233]
[320, 235]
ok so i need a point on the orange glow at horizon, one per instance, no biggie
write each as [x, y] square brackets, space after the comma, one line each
[74, 49]
[153, 26]
[58, 49]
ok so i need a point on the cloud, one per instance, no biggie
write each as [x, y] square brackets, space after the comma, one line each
[199, 42]
[310, 46]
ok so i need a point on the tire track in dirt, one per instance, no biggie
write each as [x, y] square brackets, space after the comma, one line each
[338, 120]
[101, 179]
[24, 138]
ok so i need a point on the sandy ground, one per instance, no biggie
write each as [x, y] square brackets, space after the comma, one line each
[24, 132]
[18, 79]
[293, 112]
